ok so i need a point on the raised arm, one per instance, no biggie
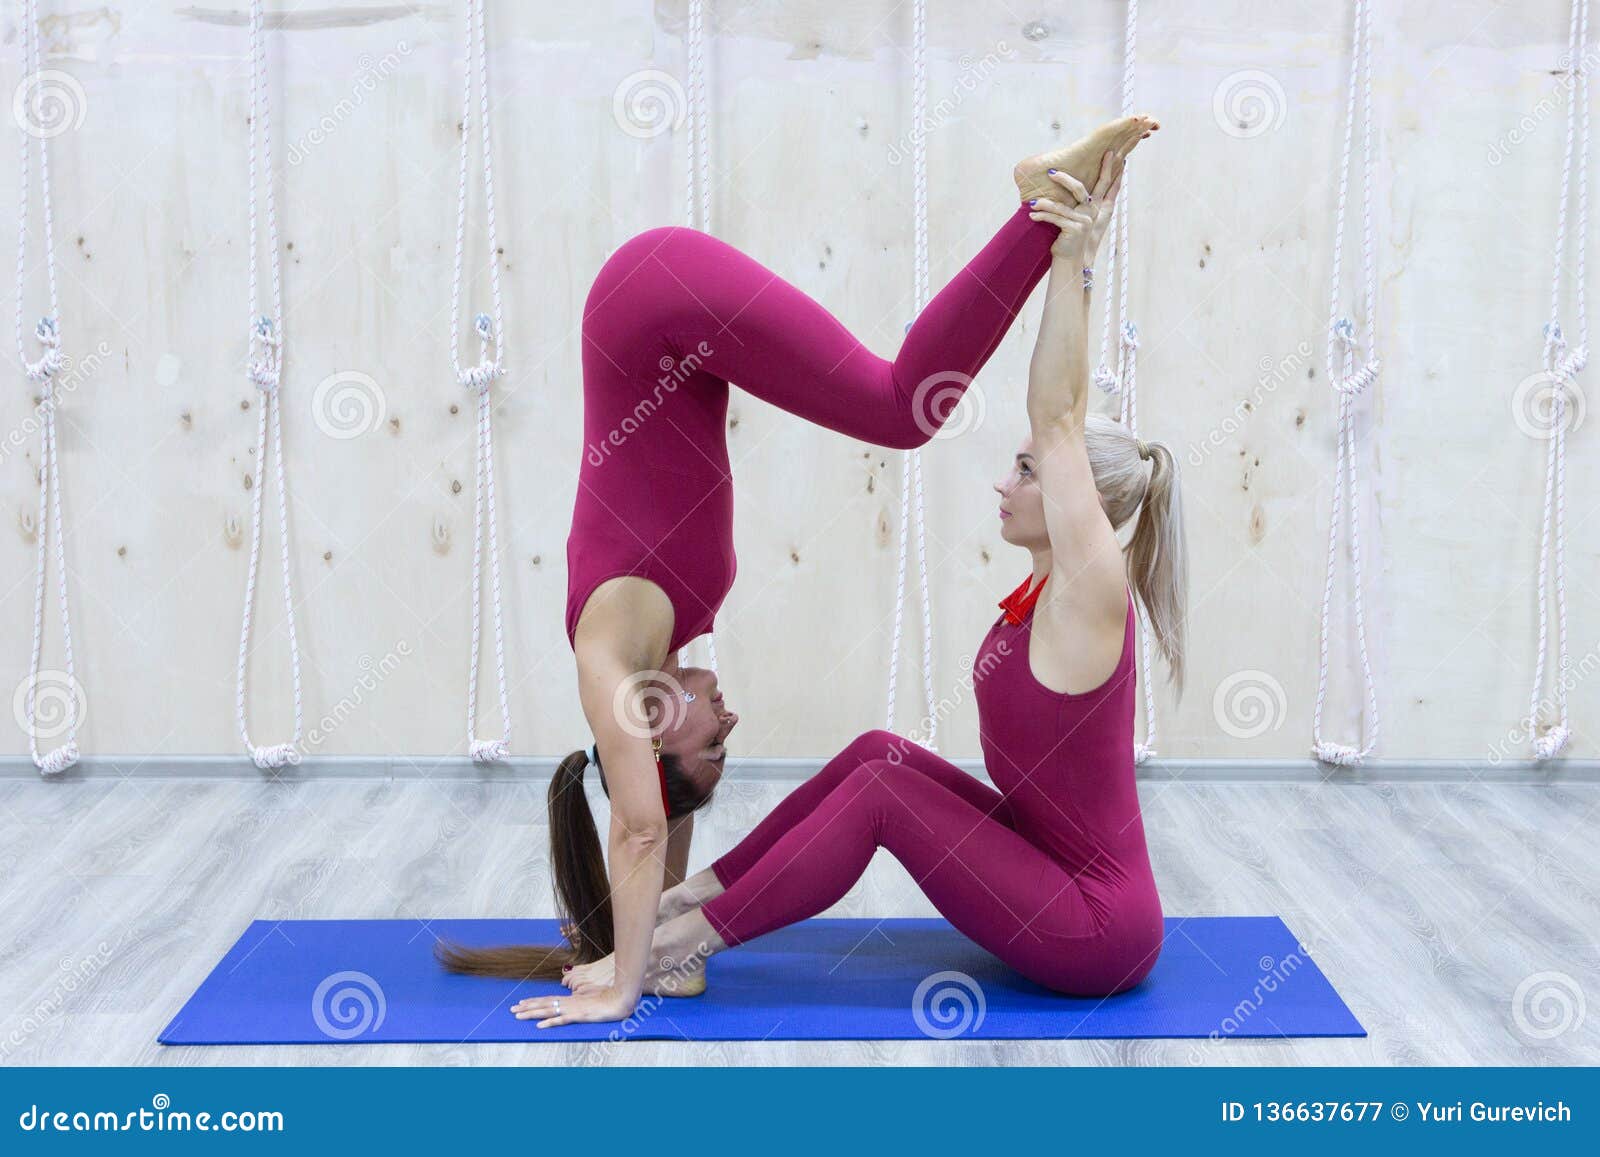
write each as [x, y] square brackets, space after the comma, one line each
[1088, 573]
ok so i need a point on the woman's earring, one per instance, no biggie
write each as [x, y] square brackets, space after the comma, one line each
[688, 696]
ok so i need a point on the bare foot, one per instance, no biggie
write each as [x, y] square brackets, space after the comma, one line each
[675, 901]
[1081, 159]
[665, 978]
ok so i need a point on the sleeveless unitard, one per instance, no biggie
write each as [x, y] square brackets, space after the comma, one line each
[1050, 872]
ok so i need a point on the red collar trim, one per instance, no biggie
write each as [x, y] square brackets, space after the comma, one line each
[1019, 602]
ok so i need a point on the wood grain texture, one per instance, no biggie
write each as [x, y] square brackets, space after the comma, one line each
[811, 122]
[1427, 906]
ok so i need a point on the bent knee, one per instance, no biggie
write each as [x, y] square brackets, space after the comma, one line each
[883, 780]
[878, 744]
[629, 261]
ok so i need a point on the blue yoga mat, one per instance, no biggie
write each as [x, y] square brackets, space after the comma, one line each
[373, 981]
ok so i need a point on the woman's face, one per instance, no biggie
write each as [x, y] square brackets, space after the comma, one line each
[1022, 502]
[694, 725]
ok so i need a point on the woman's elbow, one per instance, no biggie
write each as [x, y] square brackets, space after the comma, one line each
[647, 834]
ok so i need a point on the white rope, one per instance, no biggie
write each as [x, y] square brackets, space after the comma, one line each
[912, 495]
[42, 372]
[479, 378]
[698, 171]
[1123, 382]
[1562, 366]
[265, 370]
[1351, 373]
[697, 174]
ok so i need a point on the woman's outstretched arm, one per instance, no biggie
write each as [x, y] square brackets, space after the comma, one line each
[1086, 560]
[638, 837]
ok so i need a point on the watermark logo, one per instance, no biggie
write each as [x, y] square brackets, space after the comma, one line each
[48, 705]
[948, 1004]
[347, 1004]
[1249, 703]
[649, 701]
[48, 103]
[1533, 405]
[648, 103]
[1547, 1005]
[947, 405]
[348, 404]
[1249, 103]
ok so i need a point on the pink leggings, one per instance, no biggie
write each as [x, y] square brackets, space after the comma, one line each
[955, 835]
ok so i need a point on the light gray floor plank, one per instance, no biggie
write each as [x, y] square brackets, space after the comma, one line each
[1427, 905]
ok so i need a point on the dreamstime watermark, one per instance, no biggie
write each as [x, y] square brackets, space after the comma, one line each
[1249, 703]
[373, 673]
[676, 977]
[1500, 148]
[674, 372]
[648, 103]
[348, 404]
[1272, 375]
[1274, 974]
[948, 703]
[648, 702]
[1547, 1005]
[1533, 405]
[1249, 103]
[348, 1004]
[1528, 727]
[73, 975]
[48, 103]
[49, 705]
[971, 76]
[160, 1117]
[947, 405]
[369, 74]
[948, 1004]
[73, 373]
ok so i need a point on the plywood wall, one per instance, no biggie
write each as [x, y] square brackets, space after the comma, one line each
[1232, 206]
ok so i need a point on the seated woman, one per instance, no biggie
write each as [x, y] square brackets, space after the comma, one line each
[673, 317]
[1050, 872]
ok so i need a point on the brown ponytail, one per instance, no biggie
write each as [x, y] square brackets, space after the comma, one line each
[583, 892]
[583, 887]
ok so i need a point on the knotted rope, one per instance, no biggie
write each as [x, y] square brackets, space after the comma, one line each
[479, 378]
[1350, 374]
[265, 371]
[42, 372]
[1562, 364]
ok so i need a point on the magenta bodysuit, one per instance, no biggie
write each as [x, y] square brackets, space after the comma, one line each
[673, 317]
[1050, 872]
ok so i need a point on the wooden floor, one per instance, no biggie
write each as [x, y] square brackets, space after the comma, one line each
[1427, 905]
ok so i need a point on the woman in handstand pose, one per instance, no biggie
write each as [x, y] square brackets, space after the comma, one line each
[1050, 872]
[673, 317]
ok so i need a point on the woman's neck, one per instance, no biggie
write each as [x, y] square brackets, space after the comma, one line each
[1041, 567]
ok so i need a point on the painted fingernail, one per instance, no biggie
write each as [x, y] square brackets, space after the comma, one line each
[1050, 170]
[1033, 202]
[566, 968]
